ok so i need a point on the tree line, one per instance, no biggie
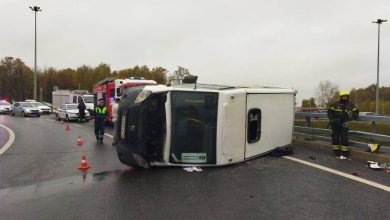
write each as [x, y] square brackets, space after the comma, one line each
[364, 98]
[16, 78]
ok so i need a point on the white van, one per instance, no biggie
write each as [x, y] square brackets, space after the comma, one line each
[206, 125]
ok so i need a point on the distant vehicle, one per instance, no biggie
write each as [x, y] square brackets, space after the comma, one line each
[61, 97]
[70, 112]
[25, 109]
[111, 88]
[48, 105]
[367, 114]
[5, 107]
[321, 111]
[43, 108]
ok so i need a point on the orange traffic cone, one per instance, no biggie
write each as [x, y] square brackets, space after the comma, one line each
[80, 141]
[67, 127]
[62, 121]
[84, 165]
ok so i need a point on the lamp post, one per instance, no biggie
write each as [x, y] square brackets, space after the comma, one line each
[35, 9]
[379, 22]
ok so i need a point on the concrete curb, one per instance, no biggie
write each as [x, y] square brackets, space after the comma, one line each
[355, 152]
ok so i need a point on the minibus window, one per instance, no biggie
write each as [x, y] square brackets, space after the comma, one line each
[254, 125]
[193, 130]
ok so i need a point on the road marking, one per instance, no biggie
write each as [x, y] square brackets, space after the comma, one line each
[10, 140]
[109, 135]
[49, 119]
[346, 175]
[78, 125]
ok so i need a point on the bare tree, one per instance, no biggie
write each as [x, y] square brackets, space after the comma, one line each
[178, 75]
[325, 92]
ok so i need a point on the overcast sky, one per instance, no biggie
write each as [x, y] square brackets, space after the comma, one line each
[286, 43]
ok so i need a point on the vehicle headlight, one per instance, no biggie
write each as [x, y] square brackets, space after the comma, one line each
[142, 96]
[27, 110]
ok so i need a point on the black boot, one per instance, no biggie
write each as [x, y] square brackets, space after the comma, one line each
[345, 153]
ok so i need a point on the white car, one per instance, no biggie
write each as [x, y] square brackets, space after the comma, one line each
[5, 106]
[25, 109]
[70, 112]
[43, 108]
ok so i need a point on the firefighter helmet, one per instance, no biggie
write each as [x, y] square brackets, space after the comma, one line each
[343, 93]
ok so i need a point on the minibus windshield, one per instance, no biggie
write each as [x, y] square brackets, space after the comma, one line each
[193, 129]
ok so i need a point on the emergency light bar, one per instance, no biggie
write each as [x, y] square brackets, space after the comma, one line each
[141, 78]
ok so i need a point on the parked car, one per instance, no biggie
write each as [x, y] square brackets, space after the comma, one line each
[25, 109]
[321, 111]
[48, 105]
[5, 107]
[43, 108]
[70, 112]
[367, 114]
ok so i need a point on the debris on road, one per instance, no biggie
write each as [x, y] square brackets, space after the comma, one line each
[192, 169]
[357, 174]
[373, 148]
[377, 166]
[313, 158]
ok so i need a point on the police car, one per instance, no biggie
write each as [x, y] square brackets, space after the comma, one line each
[70, 112]
[5, 106]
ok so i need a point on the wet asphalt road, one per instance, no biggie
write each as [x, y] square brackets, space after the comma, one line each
[39, 179]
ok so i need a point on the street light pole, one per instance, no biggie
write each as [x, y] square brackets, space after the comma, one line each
[379, 22]
[35, 9]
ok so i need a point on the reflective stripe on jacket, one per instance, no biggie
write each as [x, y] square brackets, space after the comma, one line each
[340, 112]
[100, 113]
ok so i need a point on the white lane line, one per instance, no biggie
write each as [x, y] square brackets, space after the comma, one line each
[109, 135]
[49, 119]
[78, 125]
[349, 176]
[10, 140]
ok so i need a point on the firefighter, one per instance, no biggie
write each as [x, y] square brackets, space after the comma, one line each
[339, 113]
[100, 120]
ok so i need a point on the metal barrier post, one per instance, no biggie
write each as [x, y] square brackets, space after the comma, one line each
[308, 124]
[373, 127]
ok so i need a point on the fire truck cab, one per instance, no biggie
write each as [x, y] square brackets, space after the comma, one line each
[111, 88]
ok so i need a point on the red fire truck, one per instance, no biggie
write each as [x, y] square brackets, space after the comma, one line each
[111, 88]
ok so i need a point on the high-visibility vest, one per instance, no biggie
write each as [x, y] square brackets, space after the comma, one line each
[99, 110]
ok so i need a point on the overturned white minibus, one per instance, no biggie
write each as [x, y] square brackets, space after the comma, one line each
[202, 125]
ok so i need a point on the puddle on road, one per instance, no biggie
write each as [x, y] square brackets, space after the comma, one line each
[103, 175]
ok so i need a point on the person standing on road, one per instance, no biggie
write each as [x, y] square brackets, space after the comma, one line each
[339, 113]
[100, 120]
[81, 108]
[115, 107]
